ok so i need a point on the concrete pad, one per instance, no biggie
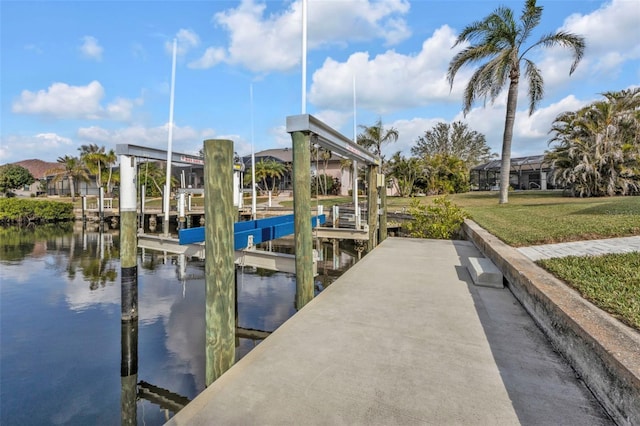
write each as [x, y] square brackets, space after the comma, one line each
[484, 272]
[402, 338]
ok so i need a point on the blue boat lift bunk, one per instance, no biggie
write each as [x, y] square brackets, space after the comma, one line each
[247, 235]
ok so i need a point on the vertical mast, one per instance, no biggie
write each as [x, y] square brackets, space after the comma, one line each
[167, 187]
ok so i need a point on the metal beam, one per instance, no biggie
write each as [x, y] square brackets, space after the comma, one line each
[280, 262]
[329, 138]
[161, 155]
[342, 233]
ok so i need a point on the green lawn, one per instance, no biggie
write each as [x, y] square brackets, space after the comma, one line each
[612, 282]
[537, 217]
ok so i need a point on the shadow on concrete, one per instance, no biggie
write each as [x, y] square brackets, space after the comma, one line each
[542, 386]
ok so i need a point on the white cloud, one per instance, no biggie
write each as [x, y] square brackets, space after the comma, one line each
[91, 49]
[185, 139]
[611, 33]
[391, 81]
[185, 41]
[273, 43]
[45, 146]
[61, 100]
[211, 57]
[52, 140]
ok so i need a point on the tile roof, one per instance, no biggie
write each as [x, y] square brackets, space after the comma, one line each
[39, 169]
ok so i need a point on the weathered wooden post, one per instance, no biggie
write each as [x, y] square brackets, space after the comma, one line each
[302, 217]
[128, 238]
[129, 372]
[129, 290]
[383, 211]
[372, 206]
[219, 258]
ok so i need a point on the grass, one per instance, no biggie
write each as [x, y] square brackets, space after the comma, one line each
[612, 282]
[537, 217]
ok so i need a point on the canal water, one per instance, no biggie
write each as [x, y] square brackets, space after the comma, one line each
[60, 325]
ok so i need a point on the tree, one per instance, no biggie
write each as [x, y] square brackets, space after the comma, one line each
[446, 174]
[373, 137]
[269, 170]
[155, 172]
[455, 140]
[110, 159]
[405, 171]
[598, 147]
[13, 176]
[94, 158]
[73, 169]
[500, 40]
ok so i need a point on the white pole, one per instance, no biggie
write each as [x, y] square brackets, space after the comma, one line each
[253, 163]
[167, 187]
[304, 56]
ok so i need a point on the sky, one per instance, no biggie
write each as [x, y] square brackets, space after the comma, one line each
[99, 72]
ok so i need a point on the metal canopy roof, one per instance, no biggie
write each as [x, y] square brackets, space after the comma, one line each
[329, 138]
[534, 162]
[157, 154]
[161, 155]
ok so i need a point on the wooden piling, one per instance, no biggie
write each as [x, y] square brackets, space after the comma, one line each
[302, 217]
[219, 258]
[128, 238]
[372, 206]
[382, 228]
[128, 288]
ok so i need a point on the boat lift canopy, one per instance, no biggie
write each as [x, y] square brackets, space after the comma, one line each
[161, 155]
[327, 137]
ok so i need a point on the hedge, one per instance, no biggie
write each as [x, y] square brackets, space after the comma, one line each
[20, 210]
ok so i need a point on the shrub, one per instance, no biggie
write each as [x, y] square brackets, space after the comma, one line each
[16, 210]
[441, 220]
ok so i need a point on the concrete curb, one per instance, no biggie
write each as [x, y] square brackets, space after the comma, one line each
[603, 351]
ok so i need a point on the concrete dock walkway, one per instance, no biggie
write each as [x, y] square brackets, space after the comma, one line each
[403, 337]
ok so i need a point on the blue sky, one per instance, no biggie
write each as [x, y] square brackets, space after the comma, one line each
[83, 72]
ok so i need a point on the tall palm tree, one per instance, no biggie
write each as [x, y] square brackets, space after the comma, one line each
[500, 40]
[373, 137]
[71, 168]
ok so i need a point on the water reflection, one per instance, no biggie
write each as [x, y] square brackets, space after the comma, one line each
[67, 358]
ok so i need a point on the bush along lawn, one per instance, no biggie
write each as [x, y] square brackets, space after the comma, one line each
[19, 210]
[611, 282]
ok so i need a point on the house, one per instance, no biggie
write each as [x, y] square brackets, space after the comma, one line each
[526, 173]
[44, 173]
[332, 167]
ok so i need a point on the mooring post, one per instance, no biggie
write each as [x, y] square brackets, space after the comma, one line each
[101, 204]
[372, 206]
[219, 258]
[383, 210]
[129, 372]
[129, 289]
[84, 209]
[128, 237]
[302, 217]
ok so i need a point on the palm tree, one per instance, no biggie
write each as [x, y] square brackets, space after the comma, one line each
[94, 157]
[109, 160]
[598, 147]
[275, 170]
[373, 137]
[499, 39]
[71, 168]
[406, 172]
